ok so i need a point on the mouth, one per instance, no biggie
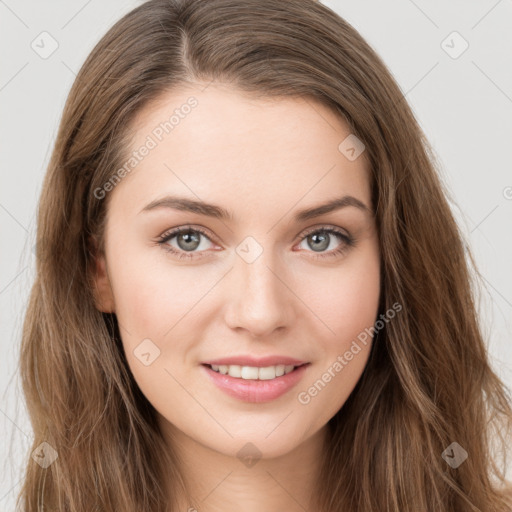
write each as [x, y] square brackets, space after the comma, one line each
[255, 384]
[254, 372]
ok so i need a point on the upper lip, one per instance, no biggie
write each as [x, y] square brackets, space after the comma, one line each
[259, 362]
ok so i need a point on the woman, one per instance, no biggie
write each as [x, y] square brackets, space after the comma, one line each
[188, 345]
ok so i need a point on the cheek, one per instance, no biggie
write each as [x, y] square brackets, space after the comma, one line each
[349, 306]
[152, 295]
[357, 300]
[346, 300]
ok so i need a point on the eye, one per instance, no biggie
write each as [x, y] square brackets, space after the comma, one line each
[320, 239]
[188, 240]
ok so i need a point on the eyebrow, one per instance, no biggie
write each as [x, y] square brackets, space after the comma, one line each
[217, 212]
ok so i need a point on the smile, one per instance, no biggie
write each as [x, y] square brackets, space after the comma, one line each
[253, 372]
[255, 384]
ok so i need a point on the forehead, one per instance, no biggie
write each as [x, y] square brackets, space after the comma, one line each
[226, 146]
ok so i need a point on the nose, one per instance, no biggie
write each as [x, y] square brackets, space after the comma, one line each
[261, 301]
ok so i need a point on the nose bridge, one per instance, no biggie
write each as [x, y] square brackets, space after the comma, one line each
[262, 301]
[259, 279]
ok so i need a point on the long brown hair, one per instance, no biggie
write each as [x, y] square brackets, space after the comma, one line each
[428, 382]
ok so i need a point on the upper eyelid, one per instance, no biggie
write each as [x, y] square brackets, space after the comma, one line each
[320, 227]
[171, 233]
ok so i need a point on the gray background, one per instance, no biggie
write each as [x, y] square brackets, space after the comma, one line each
[464, 105]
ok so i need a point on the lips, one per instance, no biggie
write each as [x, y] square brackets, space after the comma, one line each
[247, 360]
[256, 391]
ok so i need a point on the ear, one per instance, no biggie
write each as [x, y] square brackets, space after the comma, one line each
[103, 295]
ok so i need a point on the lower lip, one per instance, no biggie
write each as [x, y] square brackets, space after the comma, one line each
[251, 390]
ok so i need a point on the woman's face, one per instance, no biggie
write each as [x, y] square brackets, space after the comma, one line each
[254, 277]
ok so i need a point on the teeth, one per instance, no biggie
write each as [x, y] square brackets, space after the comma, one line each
[248, 372]
[253, 372]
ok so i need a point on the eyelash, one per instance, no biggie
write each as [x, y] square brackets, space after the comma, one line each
[348, 241]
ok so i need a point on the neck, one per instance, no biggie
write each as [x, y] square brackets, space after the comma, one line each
[217, 482]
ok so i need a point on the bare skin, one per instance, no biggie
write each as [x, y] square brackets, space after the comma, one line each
[263, 160]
